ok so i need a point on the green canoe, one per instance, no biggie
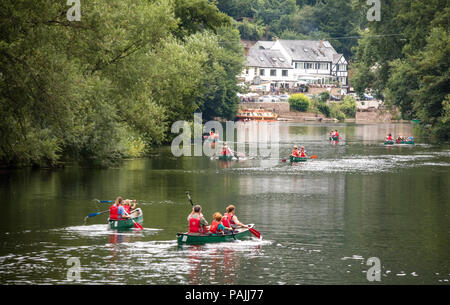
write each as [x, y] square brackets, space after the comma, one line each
[128, 223]
[401, 142]
[334, 138]
[297, 159]
[188, 239]
[407, 142]
[225, 158]
[388, 142]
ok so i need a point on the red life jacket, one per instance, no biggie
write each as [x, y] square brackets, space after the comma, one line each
[295, 153]
[389, 138]
[127, 209]
[302, 154]
[213, 227]
[227, 220]
[113, 212]
[194, 225]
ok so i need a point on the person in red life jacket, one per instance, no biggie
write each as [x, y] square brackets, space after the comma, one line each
[336, 134]
[230, 219]
[226, 151]
[389, 137]
[217, 226]
[197, 223]
[127, 205]
[114, 209]
[302, 152]
[295, 151]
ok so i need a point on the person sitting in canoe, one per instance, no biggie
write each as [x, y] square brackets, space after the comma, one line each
[336, 133]
[302, 152]
[230, 219]
[226, 151]
[389, 137]
[331, 134]
[197, 223]
[117, 211]
[217, 227]
[295, 152]
[127, 205]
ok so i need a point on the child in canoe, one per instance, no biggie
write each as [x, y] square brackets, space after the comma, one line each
[217, 227]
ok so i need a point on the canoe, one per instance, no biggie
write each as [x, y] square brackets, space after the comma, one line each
[388, 142]
[334, 138]
[401, 142]
[297, 159]
[188, 239]
[126, 224]
[225, 158]
[406, 142]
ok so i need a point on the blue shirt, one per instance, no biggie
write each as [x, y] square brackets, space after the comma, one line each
[120, 211]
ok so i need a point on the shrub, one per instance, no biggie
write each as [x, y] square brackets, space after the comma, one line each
[324, 109]
[324, 96]
[348, 107]
[299, 102]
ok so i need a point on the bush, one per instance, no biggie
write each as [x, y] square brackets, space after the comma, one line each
[324, 109]
[324, 96]
[335, 111]
[299, 102]
[348, 107]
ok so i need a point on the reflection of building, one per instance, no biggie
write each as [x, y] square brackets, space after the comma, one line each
[290, 63]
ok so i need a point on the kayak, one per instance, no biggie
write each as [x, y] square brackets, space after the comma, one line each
[125, 224]
[225, 158]
[188, 239]
[297, 159]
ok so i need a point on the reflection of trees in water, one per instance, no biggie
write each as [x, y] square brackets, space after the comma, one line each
[219, 265]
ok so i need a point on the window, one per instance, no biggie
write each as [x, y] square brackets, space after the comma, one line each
[273, 72]
[308, 65]
[284, 72]
[261, 72]
[317, 66]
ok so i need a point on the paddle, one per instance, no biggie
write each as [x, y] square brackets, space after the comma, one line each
[94, 214]
[104, 201]
[255, 232]
[136, 225]
[311, 157]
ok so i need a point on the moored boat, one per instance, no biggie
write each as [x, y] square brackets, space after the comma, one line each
[127, 223]
[256, 115]
[297, 159]
[188, 239]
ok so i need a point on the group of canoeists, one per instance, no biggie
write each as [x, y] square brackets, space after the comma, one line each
[389, 139]
[220, 225]
[334, 135]
[121, 209]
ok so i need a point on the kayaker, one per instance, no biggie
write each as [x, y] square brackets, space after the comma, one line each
[295, 152]
[302, 152]
[217, 226]
[226, 151]
[230, 219]
[197, 223]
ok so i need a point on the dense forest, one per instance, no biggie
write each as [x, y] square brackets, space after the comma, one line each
[110, 85]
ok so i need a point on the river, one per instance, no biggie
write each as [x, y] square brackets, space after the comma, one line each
[321, 220]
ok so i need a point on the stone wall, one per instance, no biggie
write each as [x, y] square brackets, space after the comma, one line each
[279, 108]
[373, 116]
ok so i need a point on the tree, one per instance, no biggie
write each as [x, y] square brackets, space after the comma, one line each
[299, 102]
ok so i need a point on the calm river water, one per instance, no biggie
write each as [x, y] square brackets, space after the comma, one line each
[321, 220]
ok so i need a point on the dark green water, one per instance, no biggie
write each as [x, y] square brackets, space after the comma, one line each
[320, 220]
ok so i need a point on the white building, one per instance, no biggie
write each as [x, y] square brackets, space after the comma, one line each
[288, 63]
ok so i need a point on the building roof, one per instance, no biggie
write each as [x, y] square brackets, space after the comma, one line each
[261, 57]
[309, 50]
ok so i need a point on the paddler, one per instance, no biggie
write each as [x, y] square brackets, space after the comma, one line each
[197, 223]
[127, 205]
[226, 151]
[117, 211]
[230, 219]
[389, 137]
[217, 226]
[295, 152]
[302, 152]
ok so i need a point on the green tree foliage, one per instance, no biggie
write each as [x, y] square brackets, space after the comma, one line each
[299, 102]
[348, 107]
[110, 85]
[410, 68]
